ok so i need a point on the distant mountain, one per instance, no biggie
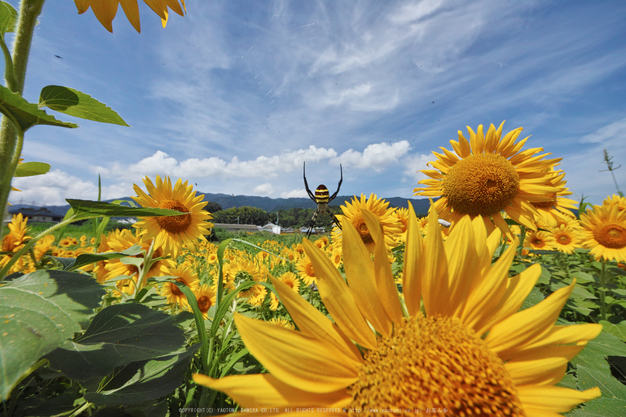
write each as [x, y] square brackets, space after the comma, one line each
[265, 203]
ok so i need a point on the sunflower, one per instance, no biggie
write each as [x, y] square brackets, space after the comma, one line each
[105, 10]
[352, 214]
[567, 236]
[16, 238]
[470, 350]
[605, 232]
[490, 175]
[539, 240]
[557, 210]
[282, 322]
[114, 268]
[402, 217]
[170, 232]
[616, 199]
[291, 280]
[13, 241]
[205, 297]
[336, 257]
[171, 291]
[274, 302]
[306, 270]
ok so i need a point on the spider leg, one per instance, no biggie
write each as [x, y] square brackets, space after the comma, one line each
[306, 185]
[335, 219]
[332, 197]
[313, 219]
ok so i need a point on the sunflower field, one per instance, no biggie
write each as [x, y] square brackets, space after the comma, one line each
[506, 299]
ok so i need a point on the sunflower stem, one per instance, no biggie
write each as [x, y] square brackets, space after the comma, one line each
[12, 138]
[522, 237]
[145, 268]
[603, 283]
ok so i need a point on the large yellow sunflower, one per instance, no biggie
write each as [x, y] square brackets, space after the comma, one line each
[490, 175]
[605, 232]
[459, 343]
[105, 10]
[352, 214]
[170, 232]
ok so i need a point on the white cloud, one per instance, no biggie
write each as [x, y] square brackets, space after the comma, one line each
[264, 190]
[54, 187]
[297, 193]
[414, 164]
[376, 156]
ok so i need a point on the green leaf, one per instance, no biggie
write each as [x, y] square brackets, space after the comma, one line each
[90, 258]
[85, 209]
[609, 386]
[618, 330]
[8, 17]
[39, 312]
[535, 297]
[118, 335]
[75, 103]
[141, 381]
[601, 407]
[594, 355]
[28, 169]
[25, 114]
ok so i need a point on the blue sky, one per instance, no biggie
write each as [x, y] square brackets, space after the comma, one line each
[237, 94]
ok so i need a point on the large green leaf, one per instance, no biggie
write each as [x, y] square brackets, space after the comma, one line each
[601, 407]
[610, 387]
[594, 355]
[146, 380]
[75, 103]
[118, 335]
[8, 18]
[39, 312]
[85, 209]
[28, 169]
[618, 330]
[26, 114]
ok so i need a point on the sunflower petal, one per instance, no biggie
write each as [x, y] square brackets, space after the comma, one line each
[360, 275]
[311, 321]
[554, 399]
[525, 327]
[413, 267]
[388, 293]
[297, 359]
[338, 297]
[265, 390]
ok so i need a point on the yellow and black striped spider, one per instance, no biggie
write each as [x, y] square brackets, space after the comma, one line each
[322, 199]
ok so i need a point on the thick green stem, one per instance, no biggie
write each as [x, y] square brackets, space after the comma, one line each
[10, 146]
[603, 291]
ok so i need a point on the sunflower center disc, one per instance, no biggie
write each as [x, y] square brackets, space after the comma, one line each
[434, 365]
[361, 227]
[565, 240]
[482, 184]
[174, 224]
[611, 236]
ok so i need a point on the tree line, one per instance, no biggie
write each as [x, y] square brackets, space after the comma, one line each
[293, 217]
